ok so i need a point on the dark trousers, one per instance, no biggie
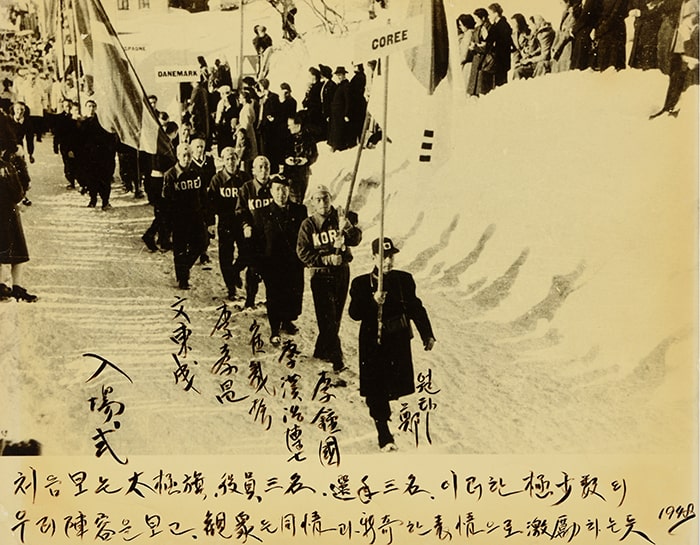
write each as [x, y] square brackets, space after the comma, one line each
[680, 79]
[284, 287]
[380, 411]
[247, 261]
[299, 182]
[230, 269]
[329, 288]
[37, 126]
[160, 226]
[189, 241]
[100, 187]
[68, 165]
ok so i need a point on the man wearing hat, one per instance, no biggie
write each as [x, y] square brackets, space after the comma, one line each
[323, 246]
[276, 228]
[327, 92]
[339, 121]
[312, 106]
[386, 365]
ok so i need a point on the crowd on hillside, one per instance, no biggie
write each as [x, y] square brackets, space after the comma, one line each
[495, 49]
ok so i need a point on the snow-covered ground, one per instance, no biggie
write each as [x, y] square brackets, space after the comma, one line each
[553, 240]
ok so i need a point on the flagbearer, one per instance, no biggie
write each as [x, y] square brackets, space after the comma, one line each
[98, 157]
[182, 191]
[386, 365]
[323, 246]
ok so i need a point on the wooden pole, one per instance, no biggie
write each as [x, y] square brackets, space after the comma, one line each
[380, 267]
[77, 57]
[240, 53]
[361, 144]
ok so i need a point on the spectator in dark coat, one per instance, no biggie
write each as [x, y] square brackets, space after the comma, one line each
[313, 110]
[300, 153]
[339, 120]
[386, 366]
[276, 227]
[647, 22]
[327, 91]
[14, 182]
[358, 104]
[270, 126]
[611, 34]
[685, 57]
[499, 43]
[227, 109]
[670, 9]
[288, 104]
[582, 53]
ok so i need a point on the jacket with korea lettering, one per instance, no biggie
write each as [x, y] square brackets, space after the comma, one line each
[317, 236]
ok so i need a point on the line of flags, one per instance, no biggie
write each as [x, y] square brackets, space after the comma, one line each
[122, 103]
[123, 106]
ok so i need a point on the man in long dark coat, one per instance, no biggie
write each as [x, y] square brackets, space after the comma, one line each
[582, 54]
[499, 42]
[339, 121]
[611, 34]
[386, 367]
[327, 91]
[98, 157]
[270, 125]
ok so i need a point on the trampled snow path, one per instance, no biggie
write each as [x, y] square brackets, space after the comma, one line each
[558, 306]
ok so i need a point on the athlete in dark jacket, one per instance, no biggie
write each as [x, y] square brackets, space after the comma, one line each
[276, 227]
[182, 191]
[223, 195]
[323, 246]
[254, 194]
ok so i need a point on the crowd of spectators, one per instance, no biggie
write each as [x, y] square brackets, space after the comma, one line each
[591, 34]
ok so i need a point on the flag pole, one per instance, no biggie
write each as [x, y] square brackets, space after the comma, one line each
[77, 57]
[380, 267]
[240, 53]
[363, 137]
[62, 60]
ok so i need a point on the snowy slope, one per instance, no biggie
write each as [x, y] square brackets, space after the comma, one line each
[552, 240]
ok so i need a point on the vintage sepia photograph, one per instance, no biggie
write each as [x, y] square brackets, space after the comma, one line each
[442, 253]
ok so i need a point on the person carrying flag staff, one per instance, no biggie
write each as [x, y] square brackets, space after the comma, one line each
[386, 365]
[323, 245]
